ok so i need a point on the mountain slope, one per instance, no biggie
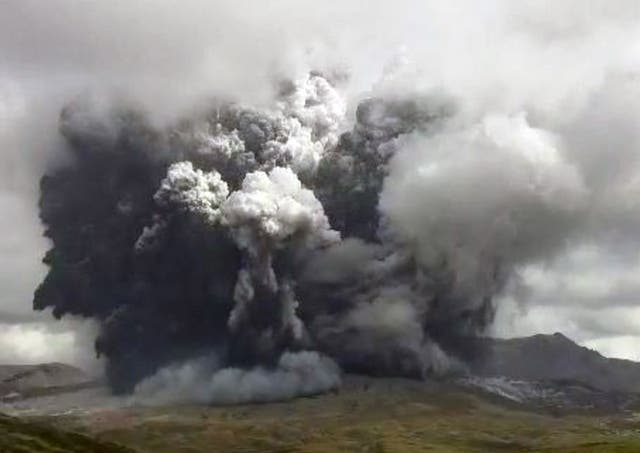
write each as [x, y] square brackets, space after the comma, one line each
[16, 380]
[25, 437]
[548, 357]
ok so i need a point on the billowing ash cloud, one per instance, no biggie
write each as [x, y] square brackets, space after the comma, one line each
[187, 238]
[511, 198]
[287, 240]
[254, 232]
[243, 227]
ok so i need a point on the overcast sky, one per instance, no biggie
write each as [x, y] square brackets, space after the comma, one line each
[572, 66]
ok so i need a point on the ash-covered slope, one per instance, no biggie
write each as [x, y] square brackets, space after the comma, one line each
[19, 379]
[550, 357]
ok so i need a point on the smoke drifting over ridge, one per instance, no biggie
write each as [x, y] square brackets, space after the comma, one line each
[366, 212]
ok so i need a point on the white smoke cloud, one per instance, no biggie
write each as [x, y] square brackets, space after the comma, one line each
[312, 114]
[474, 203]
[267, 212]
[202, 381]
[185, 190]
[276, 206]
[192, 190]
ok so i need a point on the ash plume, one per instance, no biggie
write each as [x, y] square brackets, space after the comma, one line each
[261, 234]
[251, 240]
[205, 235]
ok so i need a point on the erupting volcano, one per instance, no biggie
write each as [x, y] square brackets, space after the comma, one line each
[273, 246]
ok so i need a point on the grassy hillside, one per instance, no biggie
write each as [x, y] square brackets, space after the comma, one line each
[368, 416]
[18, 436]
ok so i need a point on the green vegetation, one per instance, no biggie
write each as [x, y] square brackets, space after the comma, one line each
[376, 418]
[18, 436]
[419, 430]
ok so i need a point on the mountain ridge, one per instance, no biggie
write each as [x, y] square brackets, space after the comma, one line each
[553, 357]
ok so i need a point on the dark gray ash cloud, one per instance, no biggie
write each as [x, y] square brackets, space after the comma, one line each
[439, 162]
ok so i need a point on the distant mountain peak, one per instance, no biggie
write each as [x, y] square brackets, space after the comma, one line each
[547, 357]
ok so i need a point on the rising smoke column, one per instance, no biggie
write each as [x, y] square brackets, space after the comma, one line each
[270, 213]
[178, 240]
[263, 244]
